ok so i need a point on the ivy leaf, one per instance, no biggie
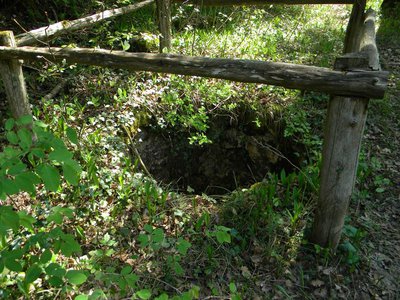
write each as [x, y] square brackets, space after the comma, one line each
[55, 281]
[178, 269]
[25, 120]
[70, 174]
[9, 124]
[223, 237]
[1, 265]
[183, 246]
[55, 269]
[26, 220]
[33, 273]
[12, 137]
[97, 294]
[46, 256]
[17, 168]
[148, 228]
[57, 214]
[57, 143]
[143, 240]
[38, 152]
[82, 297]
[144, 294]
[25, 137]
[50, 176]
[69, 245]
[60, 155]
[27, 181]
[126, 270]
[76, 277]
[158, 235]
[9, 187]
[55, 217]
[72, 136]
[232, 287]
[11, 152]
[9, 218]
[13, 265]
[131, 279]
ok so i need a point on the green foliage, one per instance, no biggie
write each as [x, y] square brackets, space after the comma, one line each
[389, 25]
[35, 155]
[222, 234]
[103, 230]
[350, 247]
[24, 164]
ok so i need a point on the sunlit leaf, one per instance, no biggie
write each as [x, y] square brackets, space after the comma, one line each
[72, 135]
[144, 294]
[32, 273]
[50, 176]
[76, 277]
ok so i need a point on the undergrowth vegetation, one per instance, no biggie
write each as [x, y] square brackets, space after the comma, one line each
[82, 218]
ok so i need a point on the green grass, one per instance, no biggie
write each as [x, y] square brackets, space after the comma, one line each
[390, 26]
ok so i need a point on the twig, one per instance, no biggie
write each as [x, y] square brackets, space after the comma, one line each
[27, 32]
[280, 154]
[134, 149]
[13, 201]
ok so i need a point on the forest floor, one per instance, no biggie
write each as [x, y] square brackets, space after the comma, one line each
[380, 212]
[375, 211]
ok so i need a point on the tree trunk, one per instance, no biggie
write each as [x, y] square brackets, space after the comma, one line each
[164, 24]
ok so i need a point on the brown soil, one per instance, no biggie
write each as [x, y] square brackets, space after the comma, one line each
[380, 213]
[238, 156]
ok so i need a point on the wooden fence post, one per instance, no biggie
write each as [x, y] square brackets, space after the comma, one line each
[342, 140]
[354, 27]
[13, 79]
[164, 23]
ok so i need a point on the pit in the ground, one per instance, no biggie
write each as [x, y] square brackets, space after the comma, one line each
[240, 154]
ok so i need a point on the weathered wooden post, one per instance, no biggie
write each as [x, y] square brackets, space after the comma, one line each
[164, 23]
[13, 79]
[342, 140]
[354, 27]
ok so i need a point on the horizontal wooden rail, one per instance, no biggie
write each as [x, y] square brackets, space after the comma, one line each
[260, 2]
[45, 33]
[363, 84]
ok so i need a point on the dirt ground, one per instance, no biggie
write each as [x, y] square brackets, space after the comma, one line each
[380, 213]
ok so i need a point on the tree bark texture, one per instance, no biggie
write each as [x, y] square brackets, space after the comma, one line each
[44, 34]
[368, 41]
[366, 83]
[355, 27]
[13, 79]
[260, 2]
[164, 24]
[342, 141]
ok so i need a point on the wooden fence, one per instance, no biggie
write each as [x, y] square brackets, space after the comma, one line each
[356, 77]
